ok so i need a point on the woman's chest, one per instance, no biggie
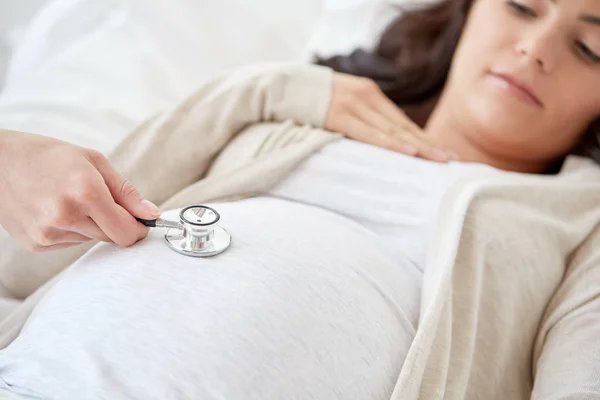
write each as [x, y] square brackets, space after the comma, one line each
[394, 196]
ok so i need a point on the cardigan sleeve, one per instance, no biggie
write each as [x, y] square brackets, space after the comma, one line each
[567, 353]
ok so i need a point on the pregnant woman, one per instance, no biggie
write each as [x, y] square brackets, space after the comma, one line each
[319, 296]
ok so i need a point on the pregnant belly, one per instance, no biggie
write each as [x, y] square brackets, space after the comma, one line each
[293, 276]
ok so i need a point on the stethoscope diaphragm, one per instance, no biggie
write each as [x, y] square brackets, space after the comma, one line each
[197, 234]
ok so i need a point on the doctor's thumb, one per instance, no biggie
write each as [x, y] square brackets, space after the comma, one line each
[124, 193]
[132, 200]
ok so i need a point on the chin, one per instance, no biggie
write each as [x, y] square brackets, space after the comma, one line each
[500, 126]
[497, 113]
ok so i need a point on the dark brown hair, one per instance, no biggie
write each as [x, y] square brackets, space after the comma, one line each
[413, 57]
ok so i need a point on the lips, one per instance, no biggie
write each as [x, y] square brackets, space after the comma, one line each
[520, 86]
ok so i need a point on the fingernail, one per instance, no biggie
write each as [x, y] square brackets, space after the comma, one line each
[410, 149]
[151, 207]
[440, 155]
[453, 156]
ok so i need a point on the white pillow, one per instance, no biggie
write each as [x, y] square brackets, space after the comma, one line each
[14, 16]
[80, 74]
[347, 25]
[89, 71]
[4, 56]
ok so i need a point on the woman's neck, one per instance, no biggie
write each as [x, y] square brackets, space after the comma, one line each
[447, 131]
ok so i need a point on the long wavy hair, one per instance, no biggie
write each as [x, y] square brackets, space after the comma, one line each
[412, 61]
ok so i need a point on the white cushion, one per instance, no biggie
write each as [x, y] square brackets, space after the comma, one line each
[89, 71]
[346, 25]
[14, 17]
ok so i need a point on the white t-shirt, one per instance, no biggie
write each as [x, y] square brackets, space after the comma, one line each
[391, 195]
[318, 296]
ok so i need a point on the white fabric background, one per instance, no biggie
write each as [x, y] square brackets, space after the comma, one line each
[14, 16]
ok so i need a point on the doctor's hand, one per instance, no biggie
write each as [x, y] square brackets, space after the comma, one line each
[361, 111]
[55, 195]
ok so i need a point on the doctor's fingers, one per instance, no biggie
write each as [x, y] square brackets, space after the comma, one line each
[117, 223]
[114, 221]
[123, 192]
[88, 228]
[41, 249]
[38, 238]
[47, 238]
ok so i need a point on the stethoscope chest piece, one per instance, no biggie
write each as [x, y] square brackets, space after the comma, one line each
[201, 235]
[197, 234]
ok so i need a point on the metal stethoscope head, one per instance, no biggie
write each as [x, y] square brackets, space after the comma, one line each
[197, 233]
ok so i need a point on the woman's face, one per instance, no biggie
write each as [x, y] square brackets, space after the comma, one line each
[526, 75]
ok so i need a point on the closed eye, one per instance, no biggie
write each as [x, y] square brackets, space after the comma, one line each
[521, 9]
[587, 53]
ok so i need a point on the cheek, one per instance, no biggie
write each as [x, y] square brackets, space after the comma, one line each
[483, 42]
[578, 106]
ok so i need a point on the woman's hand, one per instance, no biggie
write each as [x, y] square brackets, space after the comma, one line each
[55, 195]
[361, 111]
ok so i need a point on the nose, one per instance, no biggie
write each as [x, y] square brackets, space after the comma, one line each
[538, 45]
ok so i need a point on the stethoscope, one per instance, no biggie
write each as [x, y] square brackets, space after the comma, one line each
[197, 234]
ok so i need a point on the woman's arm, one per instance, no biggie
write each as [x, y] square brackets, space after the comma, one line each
[188, 137]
